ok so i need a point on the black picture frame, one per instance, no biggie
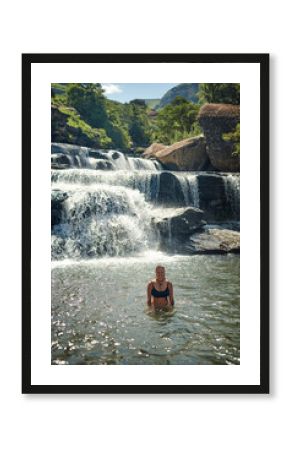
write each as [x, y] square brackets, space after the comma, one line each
[263, 61]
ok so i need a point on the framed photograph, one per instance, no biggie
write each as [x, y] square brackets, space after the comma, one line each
[145, 223]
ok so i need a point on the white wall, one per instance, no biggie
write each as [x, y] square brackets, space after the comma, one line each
[204, 421]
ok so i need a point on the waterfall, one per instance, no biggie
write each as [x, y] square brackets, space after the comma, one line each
[189, 185]
[141, 180]
[193, 189]
[105, 203]
[83, 157]
[232, 189]
[103, 220]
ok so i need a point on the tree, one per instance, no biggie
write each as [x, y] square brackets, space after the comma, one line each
[139, 125]
[88, 99]
[219, 93]
[176, 121]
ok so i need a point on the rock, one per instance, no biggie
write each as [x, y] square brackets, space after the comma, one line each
[57, 206]
[179, 222]
[98, 154]
[217, 197]
[189, 154]
[104, 165]
[170, 191]
[60, 161]
[212, 196]
[214, 241]
[56, 166]
[215, 120]
[115, 155]
[154, 148]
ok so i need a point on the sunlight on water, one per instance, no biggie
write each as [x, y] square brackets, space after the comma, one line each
[99, 312]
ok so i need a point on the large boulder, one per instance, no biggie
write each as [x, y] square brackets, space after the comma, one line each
[189, 154]
[154, 148]
[216, 119]
[179, 222]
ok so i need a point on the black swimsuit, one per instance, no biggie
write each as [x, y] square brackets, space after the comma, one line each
[159, 294]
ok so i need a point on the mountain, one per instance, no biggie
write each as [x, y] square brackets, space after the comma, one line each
[186, 90]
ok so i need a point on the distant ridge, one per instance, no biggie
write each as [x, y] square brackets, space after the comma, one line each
[187, 90]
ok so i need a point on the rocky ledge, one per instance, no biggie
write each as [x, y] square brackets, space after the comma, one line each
[214, 240]
[184, 230]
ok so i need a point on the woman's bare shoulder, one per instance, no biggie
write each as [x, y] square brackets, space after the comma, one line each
[151, 282]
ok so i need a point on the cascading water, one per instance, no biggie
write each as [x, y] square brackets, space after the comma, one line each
[83, 157]
[111, 212]
[101, 220]
[189, 185]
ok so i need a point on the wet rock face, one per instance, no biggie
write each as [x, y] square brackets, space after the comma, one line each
[215, 120]
[115, 155]
[212, 196]
[98, 154]
[104, 165]
[218, 197]
[57, 206]
[170, 191]
[179, 222]
[60, 161]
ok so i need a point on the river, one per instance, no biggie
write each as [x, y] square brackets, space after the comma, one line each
[104, 252]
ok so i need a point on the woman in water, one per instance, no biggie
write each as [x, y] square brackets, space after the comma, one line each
[160, 291]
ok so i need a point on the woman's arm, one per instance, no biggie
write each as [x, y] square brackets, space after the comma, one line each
[149, 289]
[170, 287]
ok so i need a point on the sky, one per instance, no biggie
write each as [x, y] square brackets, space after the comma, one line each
[125, 92]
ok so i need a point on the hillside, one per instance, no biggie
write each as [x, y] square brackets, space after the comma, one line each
[189, 91]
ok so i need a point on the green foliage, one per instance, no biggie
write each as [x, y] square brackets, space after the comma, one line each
[75, 121]
[89, 101]
[176, 121]
[116, 125]
[139, 124]
[219, 93]
[234, 137]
